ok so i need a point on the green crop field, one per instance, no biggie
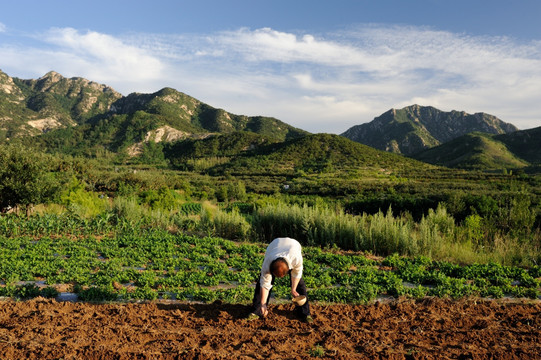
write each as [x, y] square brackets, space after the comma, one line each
[124, 263]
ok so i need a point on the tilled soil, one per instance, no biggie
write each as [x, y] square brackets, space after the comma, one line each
[408, 329]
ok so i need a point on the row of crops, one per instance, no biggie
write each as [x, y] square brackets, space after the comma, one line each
[156, 264]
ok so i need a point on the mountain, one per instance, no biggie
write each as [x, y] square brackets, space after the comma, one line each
[73, 101]
[187, 114]
[79, 116]
[484, 151]
[415, 128]
[31, 107]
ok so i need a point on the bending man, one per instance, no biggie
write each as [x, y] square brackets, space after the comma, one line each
[283, 256]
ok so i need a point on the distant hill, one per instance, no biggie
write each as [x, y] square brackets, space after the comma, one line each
[318, 153]
[225, 146]
[79, 116]
[472, 151]
[484, 151]
[415, 128]
[189, 115]
[525, 144]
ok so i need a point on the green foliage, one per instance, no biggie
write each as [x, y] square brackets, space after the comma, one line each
[96, 294]
[216, 147]
[133, 263]
[400, 203]
[473, 225]
[87, 203]
[163, 198]
[317, 351]
[314, 154]
[128, 209]
[190, 208]
[24, 178]
[233, 191]
[152, 153]
[473, 151]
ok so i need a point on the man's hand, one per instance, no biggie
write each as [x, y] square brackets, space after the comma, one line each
[294, 293]
[264, 310]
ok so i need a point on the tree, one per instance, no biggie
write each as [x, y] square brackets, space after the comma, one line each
[24, 178]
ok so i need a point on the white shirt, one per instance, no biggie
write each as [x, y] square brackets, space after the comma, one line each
[287, 248]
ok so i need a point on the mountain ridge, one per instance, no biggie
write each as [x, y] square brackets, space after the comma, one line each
[78, 116]
[415, 128]
[81, 109]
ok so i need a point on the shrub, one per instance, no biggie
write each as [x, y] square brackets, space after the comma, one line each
[128, 209]
[84, 203]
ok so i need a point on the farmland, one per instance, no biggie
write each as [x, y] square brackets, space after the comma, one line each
[124, 263]
[401, 259]
[430, 328]
[149, 292]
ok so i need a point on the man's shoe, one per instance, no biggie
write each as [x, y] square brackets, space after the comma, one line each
[252, 317]
[309, 319]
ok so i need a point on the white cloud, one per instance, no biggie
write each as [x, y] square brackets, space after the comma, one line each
[98, 57]
[370, 69]
[2, 28]
[319, 82]
[106, 56]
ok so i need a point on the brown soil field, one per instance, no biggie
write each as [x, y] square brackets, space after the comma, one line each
[401, 329]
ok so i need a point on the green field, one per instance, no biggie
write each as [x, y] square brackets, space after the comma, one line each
[101, 261]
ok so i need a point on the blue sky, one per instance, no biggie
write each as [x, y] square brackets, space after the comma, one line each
[319, 65]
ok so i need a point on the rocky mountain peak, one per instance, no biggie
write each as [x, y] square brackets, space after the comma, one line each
[55, 82]
[52, 76]
[415, 128]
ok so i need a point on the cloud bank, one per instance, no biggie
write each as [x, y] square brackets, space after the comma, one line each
[318, 82]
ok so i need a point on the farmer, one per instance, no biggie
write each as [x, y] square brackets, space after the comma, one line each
[283, 256]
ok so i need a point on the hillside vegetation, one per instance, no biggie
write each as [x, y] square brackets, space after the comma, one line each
[524, 144]
[516, 150]
[472, 151]
[317, 154]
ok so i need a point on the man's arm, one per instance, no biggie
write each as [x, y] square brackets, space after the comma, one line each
[264, 295]
[294, 283]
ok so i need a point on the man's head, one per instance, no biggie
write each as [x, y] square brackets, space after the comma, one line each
[279, 267]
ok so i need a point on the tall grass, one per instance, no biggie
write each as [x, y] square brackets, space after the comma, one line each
[309, 225]
[436, 235]
[381, 233]
[229, 225]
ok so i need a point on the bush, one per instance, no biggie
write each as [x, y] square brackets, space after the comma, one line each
[163, 199]
[24, 178]
[96, 294]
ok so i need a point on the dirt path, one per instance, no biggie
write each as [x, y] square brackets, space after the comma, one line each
[423, 329]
